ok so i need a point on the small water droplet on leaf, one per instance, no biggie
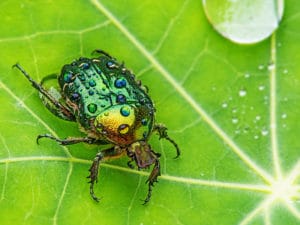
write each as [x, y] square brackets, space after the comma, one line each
[242, 93]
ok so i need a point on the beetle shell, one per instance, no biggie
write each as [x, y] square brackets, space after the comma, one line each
[106, 100]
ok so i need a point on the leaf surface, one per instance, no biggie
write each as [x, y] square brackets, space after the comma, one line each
[233, 110]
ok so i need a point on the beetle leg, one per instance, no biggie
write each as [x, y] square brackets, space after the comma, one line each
[68, 141]
[144, 157]
[64, 110]
[101, 156]
[129, 164]
[162, 132]
[152, 179]
[48, 77]
[99, 51]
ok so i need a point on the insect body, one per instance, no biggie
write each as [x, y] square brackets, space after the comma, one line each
[111, 107]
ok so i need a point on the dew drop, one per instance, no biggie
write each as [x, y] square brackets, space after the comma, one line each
[285, 71]
[92, 107]
[244, 21]
[120, 83]
[75, 96]
[84, 65]
[261, 87]
[247, 75]
[237, 131]
[242, 93]
[261, 67]
[284, 116]
[92, 83]
[234, 120]
[224, 105]
[125, 111]
[234, 110]
[123, 128]
[264, 132]
[256, 137]
[144, 122]
[91, 92]
[271, 67]
[121, 99]
[258, 117]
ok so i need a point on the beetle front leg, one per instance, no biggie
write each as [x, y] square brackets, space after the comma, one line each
[162, 132]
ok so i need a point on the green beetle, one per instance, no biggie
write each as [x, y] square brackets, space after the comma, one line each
[111, 107]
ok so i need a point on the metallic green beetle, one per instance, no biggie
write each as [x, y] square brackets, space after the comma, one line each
[111, 107]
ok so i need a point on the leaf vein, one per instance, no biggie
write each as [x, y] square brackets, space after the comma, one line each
[236, 149]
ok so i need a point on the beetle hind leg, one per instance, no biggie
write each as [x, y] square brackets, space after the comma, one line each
[50, 101]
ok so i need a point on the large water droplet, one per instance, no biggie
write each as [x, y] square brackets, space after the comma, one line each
[245, 22]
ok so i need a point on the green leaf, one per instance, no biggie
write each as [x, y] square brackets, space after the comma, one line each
[233, 110]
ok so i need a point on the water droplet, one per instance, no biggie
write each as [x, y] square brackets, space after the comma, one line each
[244, 21]
[242, 93]
[75, 96]
[237, 131]
[84, 65]
[125, 111]
[261, 87]
[123, 128]
[120, 83]
[264, 132]
[111, 65]
[224, 104]
[92, 107]
[121, 99]
[68, 77]
[256, 137]
[284, 116]
[91, 92]
[235, 120]
[285, 71]
[271, 67]
[144, 122]
[247, 75]
[92, 83]
[258, 117]
[261, 67]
